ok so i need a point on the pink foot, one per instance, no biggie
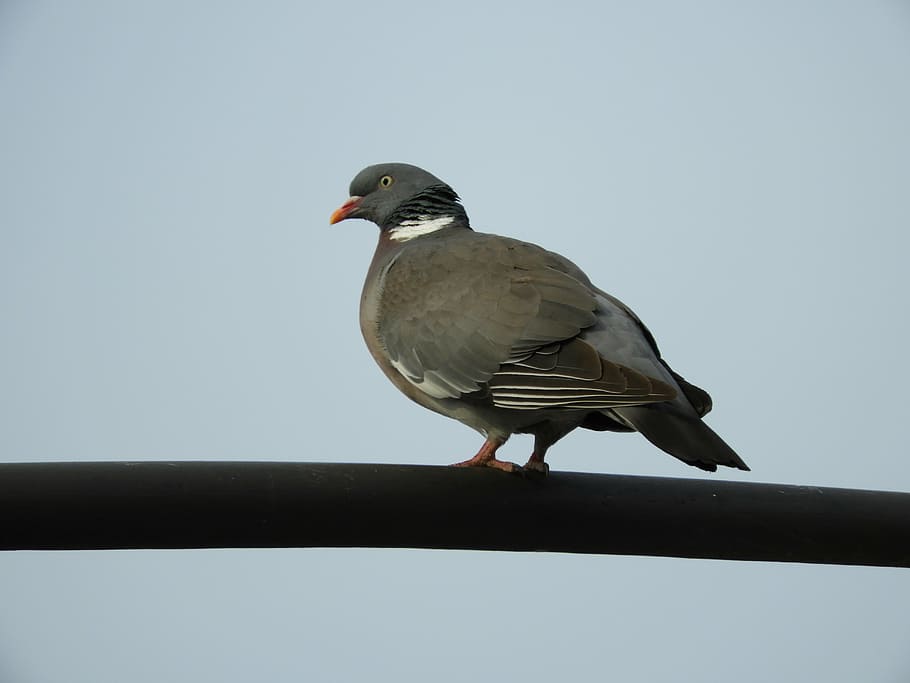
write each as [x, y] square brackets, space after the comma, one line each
[536, 464]
[486, 457]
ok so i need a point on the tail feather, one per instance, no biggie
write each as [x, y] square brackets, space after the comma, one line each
[683, 436]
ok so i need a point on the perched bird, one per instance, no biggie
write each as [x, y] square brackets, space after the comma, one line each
[507, 337]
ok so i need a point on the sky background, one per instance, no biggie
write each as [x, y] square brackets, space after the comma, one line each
[170, 289]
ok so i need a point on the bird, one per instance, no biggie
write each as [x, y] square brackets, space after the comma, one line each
[507, 337]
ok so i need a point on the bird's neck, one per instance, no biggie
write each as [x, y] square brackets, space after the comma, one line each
[432, 210]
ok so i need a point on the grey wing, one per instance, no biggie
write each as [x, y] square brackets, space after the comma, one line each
[452, 312]
[574, 375]
[482, 312]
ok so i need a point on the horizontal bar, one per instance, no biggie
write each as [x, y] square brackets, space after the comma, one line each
[105, 505]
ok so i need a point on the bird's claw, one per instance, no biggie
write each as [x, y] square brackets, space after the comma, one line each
[503, 465]
[537, 467]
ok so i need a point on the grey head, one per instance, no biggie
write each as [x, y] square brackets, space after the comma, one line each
[388, 194]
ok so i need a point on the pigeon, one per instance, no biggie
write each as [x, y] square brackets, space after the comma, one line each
[507, 337]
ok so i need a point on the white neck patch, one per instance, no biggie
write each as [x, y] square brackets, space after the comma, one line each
[408, 230]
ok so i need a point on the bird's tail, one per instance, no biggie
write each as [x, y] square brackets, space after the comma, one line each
[683, 436]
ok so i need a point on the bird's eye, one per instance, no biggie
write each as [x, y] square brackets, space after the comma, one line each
[386, 181]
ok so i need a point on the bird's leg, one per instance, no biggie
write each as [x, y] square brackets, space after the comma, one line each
[536, 462]
[486, 457]
[542, 442]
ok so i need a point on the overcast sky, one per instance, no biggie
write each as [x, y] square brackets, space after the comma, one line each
[738, 173]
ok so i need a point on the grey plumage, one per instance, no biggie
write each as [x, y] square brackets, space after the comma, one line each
[508, 337]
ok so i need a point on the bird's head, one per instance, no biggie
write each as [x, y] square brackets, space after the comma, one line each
[389, 194]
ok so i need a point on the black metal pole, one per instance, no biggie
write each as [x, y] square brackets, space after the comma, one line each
[258, 504]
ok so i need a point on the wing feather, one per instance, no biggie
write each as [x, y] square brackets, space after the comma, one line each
[476, 312]
[579, 378]
[453, 311]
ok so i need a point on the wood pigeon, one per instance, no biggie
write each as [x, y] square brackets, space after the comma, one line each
[508, 337]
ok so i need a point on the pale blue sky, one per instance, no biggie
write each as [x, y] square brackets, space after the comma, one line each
[736, 172]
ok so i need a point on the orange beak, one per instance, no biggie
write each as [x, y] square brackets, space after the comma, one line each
[345, 210]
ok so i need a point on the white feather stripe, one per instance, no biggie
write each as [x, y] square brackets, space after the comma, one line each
[409, 229]
[577, 405]
[574, 389]
[568, 396]
[427, 385]
[555, 402]
[544, 373]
